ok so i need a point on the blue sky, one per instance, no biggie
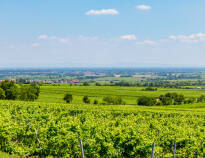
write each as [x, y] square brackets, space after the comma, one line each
[49, 33]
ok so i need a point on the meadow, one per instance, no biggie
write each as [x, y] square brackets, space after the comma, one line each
[129, 94]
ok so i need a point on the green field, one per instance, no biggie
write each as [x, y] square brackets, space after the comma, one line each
[129, 94]
[106, 131]
[114, 131]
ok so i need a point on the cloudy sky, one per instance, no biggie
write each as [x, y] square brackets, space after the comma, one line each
[49, 33]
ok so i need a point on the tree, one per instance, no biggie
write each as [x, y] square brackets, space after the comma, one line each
[12, 93]
[114, 100]
[171, 95]
[97, 84]
[29, 93]
[68, 98]
[149, 89]
[146, 101]
[201, 98]
[189, 101]
[172, 98]
[10, 89]
[108, 100]
[2, 94]
[85, 84]
[86, 100]
[165, 100]
[179, 99]
[37, 88]
[119, 101]
[95, 102]
[7, 84]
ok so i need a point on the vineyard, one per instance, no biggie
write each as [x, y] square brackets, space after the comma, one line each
[32, 129]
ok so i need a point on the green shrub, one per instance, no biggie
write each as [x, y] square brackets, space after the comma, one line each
[68, 98]
[146, 101]
[95, 102]
[114, 100]
[86, 100]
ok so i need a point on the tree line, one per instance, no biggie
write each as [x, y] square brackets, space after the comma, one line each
[110, 100]
[162, 84]
[166, 99]
[169, 99]
[11, 91]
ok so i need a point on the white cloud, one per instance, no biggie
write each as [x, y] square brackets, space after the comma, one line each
[102, 12]
[43, 37]
[144, 7]
[128, 37]
[53, 38]
[35, 44]
[146, 42]
[193, 38]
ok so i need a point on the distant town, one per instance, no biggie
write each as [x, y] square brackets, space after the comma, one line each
[42, 81]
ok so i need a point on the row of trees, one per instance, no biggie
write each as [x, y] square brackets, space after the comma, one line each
[169, 99]
[69, 98]
[114, 100]
[161, 83]
[149, 89]
[106, 100]
[10, 91]
[166, 99]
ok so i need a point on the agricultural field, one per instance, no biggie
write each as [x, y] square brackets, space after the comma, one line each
[129, 94]
[47, 126]
[53, 129]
